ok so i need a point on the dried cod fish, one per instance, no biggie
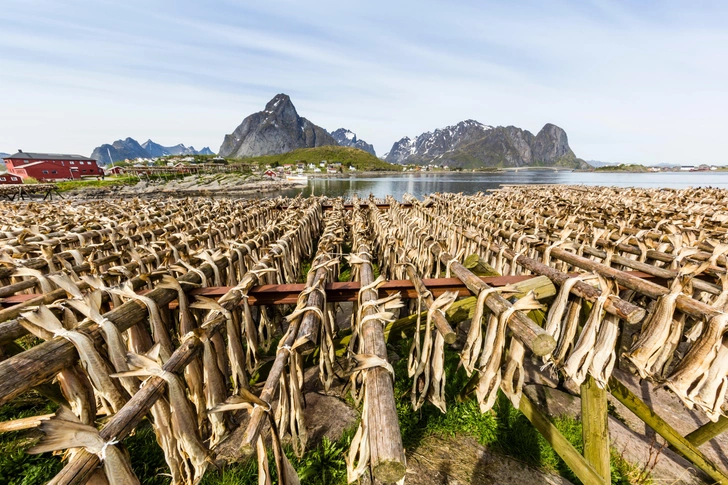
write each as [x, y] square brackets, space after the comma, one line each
[43, 324]
[513, 375]
[183, 419]
[65, 431]
[657, 330]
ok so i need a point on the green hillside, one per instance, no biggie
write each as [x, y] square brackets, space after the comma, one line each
[359, 159]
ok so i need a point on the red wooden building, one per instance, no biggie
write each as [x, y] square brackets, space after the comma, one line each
[51, 166]
[8, 179]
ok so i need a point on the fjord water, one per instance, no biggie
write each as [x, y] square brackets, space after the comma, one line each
[420, 184]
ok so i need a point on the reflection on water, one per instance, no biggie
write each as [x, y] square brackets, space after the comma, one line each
[420, 184]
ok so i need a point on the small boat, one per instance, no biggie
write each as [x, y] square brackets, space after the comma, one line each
[301, 179]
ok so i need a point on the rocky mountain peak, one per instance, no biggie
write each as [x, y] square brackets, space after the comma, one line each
[347, 138]
[279, 103]
[276, 129]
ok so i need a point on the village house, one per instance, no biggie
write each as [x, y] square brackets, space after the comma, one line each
[7, 179]
[114, 171]
[51, 166]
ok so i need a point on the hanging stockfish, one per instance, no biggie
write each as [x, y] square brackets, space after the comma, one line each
[79, 393]
[658, 332]
[249, 401]
[513, 375]
[490, 366]
[265, 328]
[214, 385]
[186, 320]
[240, 292]
[578, 362]
[470, 354]
[357, 460]
[236, 354]
[43, 324]
[159, 329]
[605, 355]
[712, 395]
[720, 302]
[691, 374]
[555, 316]
[90, 307]
[183, 419]
[289, 413]
[65, 431]
[45, 286]
[427, 360]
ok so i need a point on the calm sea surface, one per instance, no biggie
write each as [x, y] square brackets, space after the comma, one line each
[420, 184]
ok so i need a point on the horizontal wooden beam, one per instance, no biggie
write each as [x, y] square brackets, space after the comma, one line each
[342, 291]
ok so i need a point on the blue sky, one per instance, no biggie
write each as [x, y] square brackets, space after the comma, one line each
[630, 82]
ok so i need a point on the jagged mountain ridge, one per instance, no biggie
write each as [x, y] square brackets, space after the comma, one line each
[130, 149]
[347, 138]
[277, 129]
[471, 144]
[433, 144]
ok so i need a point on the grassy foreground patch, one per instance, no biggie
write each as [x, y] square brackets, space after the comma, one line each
[85, 184]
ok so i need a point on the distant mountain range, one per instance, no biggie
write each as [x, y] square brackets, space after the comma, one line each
[131, 149]
[279, 129]
[468, 144]
[471, 144]
[598, 164]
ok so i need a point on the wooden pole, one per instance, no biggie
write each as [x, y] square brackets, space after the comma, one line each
[685, 304]
[23, 423]
[708, 431]
[571, 456]
[682, 445]
[595, 431]
[385, 439]
[328, 244]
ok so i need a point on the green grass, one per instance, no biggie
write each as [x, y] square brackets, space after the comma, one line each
[622, 167]
[348, 156]
[84, 184]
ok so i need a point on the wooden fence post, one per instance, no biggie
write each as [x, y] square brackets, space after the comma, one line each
[595, 430]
